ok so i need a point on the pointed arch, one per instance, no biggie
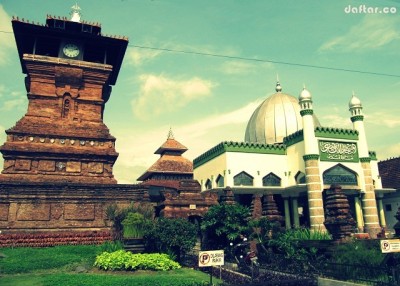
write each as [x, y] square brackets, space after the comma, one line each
[340, 174]
[300, 177]
[243, 179]
[220, 181]
[271, 180]
[208, 184]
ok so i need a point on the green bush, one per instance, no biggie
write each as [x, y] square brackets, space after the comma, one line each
[134, 225]
[124, 260]
[117, 215]
[364, 253]
[223, 224]
[173, 236]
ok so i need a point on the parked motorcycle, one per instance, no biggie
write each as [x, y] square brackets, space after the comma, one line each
[246, 259]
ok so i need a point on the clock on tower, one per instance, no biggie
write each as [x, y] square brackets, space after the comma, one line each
[70, 68]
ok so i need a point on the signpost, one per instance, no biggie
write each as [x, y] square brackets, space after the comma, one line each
[211, 258]
[390, 245]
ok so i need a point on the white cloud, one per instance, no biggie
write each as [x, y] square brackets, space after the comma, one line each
[12, 104]
[372, 32]
[6, 39]
[386, 119]
[242, 67]
[159, 94]
[136, 152]
[138, 56]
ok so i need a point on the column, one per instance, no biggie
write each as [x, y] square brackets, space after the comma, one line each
[288, 224]
[359, 214]
[381, 212]
[295, 212]
[371, 219]
[314, 192]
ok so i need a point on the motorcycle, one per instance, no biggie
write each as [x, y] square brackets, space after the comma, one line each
[246, 259]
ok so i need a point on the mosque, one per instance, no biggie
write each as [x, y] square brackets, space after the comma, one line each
[287, 156]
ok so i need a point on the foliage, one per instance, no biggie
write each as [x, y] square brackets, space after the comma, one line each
[264, 229]
[179, 277]
[111, 246]
[118, 215]
[173, 236]
[124, 260]
[26, 260]
[56, 266]
[223, 224]
[308, 234]
[134, 225]
[365, 253]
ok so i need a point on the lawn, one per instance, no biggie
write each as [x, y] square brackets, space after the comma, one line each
[58, 266]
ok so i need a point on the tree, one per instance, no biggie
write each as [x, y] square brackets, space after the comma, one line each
[223, 224]
[172, 236]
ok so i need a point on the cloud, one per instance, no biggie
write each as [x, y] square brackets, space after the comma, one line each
[371, 33]
[151, 50]
[242, 67]
[138, 56]
[6, 39]
[159, 94]
[136, 152]
[11, 100]
[386, 119]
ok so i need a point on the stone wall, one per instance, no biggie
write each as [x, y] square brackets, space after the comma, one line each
[38, 207]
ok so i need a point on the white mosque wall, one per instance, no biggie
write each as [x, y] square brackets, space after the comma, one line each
[295, 161]
[213, 168]
[256, 165]
[375, 174]
[391, 203]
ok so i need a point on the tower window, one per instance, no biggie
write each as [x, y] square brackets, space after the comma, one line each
[220, 181]
[208, 184]
[243, 179]
[271, 180]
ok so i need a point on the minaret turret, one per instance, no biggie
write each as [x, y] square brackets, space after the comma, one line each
[311, 162]
[306, 111]
[357, 117]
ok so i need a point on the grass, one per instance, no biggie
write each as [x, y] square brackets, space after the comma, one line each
[56, 266]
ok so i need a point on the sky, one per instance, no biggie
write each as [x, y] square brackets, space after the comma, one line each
[208, 99]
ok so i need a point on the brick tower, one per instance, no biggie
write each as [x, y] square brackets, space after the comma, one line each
[70, 68]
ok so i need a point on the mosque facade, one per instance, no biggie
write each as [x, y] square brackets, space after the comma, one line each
[289, 155]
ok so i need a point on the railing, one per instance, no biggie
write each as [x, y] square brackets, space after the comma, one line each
[358, 273]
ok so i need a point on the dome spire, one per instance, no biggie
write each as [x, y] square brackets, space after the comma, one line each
[170, 134]
[76, 13]
[278, 87]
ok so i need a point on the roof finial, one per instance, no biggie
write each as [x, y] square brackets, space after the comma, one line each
[170, 134]
[278, 87]
[75, 13]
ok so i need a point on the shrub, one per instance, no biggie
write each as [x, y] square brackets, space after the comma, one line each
[173, 236]
[118, 215]
[123, 260]
[365, 253]
[223, 224]
[134, 225]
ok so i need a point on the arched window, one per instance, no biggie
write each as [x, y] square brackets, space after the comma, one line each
[271, 180]
[243, 179]
[66, 106]
[220, 181]
[300, 178]
[341, 175]
[208, 184]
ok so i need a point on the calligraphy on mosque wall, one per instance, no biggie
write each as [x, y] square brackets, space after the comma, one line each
[338, 151]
